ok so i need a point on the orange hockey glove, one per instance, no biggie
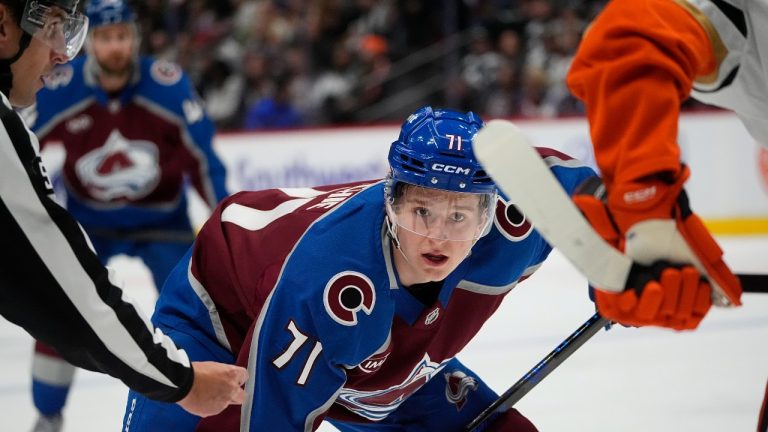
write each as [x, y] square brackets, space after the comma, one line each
[677, 262]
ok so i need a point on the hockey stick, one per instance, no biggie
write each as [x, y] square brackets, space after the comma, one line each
[751, 283]
[754, 283]
[516, 166]
[541, 370]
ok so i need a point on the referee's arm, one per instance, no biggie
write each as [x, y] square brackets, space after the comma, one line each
[54, 286]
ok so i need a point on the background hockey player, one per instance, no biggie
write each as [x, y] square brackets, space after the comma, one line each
[638, 61]
[135, 133]
[51, 282]
[349, 302]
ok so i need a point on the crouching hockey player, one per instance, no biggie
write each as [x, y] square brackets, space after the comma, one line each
[348, 303]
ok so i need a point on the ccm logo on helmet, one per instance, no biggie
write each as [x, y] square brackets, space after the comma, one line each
[450, 169]
[346, 294]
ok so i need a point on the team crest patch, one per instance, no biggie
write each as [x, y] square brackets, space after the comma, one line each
[511, 222]
[165, 72]
[60, 77]
[121, 169]
[346, 294]
[457, 387]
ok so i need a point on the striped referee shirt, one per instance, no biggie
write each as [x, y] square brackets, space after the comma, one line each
[53, 285]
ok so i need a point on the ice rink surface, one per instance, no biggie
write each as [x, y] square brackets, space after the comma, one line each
[710, 380]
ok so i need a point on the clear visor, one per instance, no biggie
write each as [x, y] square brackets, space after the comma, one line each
[61, 31]
[439, 214]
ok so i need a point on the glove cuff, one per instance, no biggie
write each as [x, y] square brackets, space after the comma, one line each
[653, 197]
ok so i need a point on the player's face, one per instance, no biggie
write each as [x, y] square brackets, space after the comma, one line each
[113, 47]
[424, 259]
[436, 230]
[30, 69]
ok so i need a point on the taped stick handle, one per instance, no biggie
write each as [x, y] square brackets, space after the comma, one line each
[541, 370]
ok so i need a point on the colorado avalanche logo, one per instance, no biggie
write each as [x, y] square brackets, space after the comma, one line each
[378, 404]
[511, 222]
[120, 169]
[457, 387]
[346, 294]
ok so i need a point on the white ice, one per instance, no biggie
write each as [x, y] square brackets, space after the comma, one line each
[625, 379]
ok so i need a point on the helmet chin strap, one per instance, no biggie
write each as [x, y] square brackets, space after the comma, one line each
[392, 234]
[6, 75]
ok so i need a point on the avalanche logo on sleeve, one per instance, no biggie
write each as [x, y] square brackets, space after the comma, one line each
[511, 222]
[165, 72]
[346, 294]
[457, 387]
[120, 169]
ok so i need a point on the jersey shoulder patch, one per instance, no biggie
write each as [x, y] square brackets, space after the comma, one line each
[346, 294]
[165, 72]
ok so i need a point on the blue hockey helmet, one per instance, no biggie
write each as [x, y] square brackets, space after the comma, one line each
[434, 152]
[107, 12]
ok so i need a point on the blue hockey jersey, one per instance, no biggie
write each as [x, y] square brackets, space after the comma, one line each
[129, 155]
[300, 285]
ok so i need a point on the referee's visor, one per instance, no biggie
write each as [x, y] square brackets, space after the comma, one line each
[63, 31]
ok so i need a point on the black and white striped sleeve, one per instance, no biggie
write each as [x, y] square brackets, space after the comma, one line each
[54, 286]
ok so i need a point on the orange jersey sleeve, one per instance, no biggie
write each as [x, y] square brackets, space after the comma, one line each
[634, 67]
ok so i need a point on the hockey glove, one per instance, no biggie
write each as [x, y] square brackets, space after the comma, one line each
[677, 262]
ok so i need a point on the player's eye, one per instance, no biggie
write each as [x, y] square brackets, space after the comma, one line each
[458, 217]
[421, 211]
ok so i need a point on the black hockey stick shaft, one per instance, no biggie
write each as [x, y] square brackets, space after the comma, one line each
[754, 283]
[541, 370]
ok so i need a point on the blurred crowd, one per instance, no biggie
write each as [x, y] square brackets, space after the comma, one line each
[286, 63]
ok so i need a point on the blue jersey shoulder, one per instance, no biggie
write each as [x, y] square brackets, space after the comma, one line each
[165, 84]
[514, 249]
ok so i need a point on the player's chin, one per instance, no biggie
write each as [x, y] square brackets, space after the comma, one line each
[436, 271]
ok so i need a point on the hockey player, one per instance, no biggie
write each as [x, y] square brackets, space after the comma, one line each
[349, 302]
[51, 282]
[134, 132]
[638, 61]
